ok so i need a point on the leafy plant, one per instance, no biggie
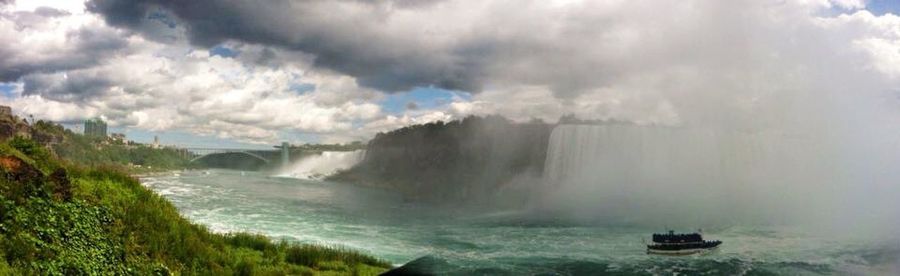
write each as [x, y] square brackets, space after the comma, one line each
[98, 220]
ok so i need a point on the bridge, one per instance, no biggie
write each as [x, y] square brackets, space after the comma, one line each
[200, 153]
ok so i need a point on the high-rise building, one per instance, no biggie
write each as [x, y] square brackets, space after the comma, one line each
[155, 144]
[95, 128]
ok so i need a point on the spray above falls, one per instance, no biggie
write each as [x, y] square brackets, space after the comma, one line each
[670, 176]
[324, 164]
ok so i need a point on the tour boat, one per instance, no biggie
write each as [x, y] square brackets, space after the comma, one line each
[680, 244]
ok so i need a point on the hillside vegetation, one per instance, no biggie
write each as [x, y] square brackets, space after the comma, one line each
[101, 151]
[60, 218]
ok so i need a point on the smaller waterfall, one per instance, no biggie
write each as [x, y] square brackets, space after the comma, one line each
[324, 164]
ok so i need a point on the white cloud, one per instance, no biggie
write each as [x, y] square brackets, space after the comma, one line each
[153, 87]
[50, 110]
[71, 6]
[391, 122]
[742, 64]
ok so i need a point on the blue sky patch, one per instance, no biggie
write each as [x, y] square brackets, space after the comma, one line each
[421, 98]
[881, 7]
[223, 51]
[302, 88]
[183, 139]
[7, 89]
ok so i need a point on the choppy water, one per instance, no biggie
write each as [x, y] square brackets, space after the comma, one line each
[380, 223]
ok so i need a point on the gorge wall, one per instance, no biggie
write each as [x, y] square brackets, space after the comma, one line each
[448, 162]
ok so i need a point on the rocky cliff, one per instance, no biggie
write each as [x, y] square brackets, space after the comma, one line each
[442, 162]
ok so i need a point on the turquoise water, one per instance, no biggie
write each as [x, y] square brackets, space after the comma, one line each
[466, 243]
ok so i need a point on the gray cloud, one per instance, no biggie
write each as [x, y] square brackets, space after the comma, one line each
[50, 12]
[699, 61]
[357, 42]
[74, 86]
[83, 47]
[647, 62]
[570, 49]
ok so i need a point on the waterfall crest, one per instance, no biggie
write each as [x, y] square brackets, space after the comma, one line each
[324, 164]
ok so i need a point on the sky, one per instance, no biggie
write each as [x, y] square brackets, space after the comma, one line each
[243, 73]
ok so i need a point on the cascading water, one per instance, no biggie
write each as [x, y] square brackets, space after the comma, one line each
[670, 175]
[324, 164]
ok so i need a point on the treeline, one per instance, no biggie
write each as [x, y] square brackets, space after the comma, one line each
[441, 162]
[355, 145]
[102, 151]
[59, 217]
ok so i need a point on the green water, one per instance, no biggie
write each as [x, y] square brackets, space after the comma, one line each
[494, 243]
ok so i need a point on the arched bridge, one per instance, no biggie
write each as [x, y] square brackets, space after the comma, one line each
[261, 154]
[200, 153]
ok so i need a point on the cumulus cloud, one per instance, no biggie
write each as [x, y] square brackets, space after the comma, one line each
[322, 66]
[197, 92]
[67, 72]
[391, 122]
[49, 40]
[362, 42]
[571, 48]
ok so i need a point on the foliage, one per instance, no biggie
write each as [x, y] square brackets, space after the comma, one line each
[33, 150]
[48, 139]
[96, 220]
[92, 151]
[317, 255]
[355, 145]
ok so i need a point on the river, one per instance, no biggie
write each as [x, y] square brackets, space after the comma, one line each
[380, 223]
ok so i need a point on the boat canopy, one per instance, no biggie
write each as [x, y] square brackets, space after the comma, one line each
[671, 237]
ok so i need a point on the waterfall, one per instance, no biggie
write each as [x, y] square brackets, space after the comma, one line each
[324, 164]
[663, 173]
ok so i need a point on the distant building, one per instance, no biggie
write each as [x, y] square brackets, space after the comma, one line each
[117, 137]
[155, 142]
[95, 128]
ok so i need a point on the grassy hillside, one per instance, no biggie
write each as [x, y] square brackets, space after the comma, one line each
[96, 151]
[60, 218]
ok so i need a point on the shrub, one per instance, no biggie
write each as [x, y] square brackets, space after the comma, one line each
[247, 240]
[101, 221]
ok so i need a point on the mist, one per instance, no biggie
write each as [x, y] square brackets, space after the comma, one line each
[824, 157]
[322, 164]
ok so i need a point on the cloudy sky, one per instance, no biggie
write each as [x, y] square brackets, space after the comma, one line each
[242, 72]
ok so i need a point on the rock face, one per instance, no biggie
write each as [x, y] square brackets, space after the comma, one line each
[24, 179]
[44, 132]
[424, 266]
[449, 162]
[10, 127]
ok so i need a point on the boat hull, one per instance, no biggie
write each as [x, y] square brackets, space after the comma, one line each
[681, 252]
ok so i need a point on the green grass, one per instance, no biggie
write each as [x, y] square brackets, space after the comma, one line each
[64, 219]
